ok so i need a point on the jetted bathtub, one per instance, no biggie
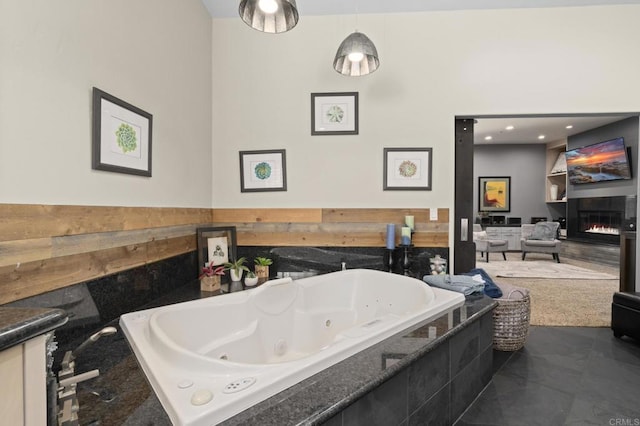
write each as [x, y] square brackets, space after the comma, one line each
[212, 358]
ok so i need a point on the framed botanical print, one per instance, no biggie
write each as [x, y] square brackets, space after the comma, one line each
[334, 113]
[263, 170]
[216, 245]
[407, 169]
[121, 136]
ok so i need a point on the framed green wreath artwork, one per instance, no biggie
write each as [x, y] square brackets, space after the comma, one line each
[407, 169]
[121, 136]
[263, 170]
[334, 113]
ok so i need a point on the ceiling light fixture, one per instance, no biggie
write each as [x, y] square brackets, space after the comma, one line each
[356, 56]
[541, 137]
[509, 128]
[488, 138]
[269, 16]
[569, 126]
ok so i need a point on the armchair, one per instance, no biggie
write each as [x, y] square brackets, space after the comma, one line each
[486, 245]
[540, 238]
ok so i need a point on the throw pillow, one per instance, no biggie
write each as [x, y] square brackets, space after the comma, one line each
[545, 231]
[480, 235]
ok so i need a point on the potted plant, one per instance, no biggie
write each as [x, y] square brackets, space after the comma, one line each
[262, 267]
[251, 279]
[210, 277]
[236, 268]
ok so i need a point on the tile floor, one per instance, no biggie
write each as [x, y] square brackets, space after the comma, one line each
[563, 376]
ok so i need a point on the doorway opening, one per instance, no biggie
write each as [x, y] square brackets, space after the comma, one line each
[481, 130]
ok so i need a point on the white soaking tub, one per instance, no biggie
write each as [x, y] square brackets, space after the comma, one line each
[212, 358]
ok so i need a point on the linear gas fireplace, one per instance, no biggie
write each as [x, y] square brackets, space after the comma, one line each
[599, 219]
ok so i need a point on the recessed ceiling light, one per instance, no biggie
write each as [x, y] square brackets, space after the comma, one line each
[569, 126]
[488, 138]
[509, 128]
[541, 137]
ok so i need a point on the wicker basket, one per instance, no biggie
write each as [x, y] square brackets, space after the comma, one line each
[511, 322]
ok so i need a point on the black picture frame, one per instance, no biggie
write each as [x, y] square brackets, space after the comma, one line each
[494, 194]
[407, 169]
[263, 171]
[203, 234]
[334, 113]
[121, 136]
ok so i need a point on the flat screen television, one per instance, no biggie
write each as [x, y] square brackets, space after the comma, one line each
[603, 161]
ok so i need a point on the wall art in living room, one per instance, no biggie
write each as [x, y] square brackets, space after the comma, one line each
[494, 194]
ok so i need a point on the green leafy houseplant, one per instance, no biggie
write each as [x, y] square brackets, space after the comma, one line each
[262, 267]
[263, 261]
[237, 268]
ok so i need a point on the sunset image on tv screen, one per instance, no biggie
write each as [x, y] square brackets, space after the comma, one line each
[603, 161]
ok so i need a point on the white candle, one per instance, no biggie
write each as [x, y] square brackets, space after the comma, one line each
[406, 236]
[409, 221]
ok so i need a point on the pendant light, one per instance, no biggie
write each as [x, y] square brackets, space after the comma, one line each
[269, 16]
[356, 56]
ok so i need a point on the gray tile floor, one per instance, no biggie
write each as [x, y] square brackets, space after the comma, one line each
[563, 376]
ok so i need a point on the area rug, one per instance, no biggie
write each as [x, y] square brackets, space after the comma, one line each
[562, 302]
[567, 303]
[542, 269]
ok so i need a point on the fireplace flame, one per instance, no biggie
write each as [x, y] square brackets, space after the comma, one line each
[596, 229]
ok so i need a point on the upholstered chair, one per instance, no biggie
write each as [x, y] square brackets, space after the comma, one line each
[540, 238]
[486, 245]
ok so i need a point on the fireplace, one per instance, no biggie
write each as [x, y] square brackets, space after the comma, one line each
[599, 219]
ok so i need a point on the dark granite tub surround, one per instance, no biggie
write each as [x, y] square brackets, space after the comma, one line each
[18, 325]
[376, 381]
[427, 375]
[409, 370]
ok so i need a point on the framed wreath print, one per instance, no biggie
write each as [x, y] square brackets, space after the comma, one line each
[263, 170]
[407, 169]
[494, 194]
[334, 113]
[121, 136]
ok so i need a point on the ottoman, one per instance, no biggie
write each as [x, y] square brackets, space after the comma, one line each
[625, 314]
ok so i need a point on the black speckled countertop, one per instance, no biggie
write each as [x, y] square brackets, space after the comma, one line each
[122, 395]
[18, 325]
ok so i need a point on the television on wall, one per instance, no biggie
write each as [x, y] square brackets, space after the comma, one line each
[600, 162]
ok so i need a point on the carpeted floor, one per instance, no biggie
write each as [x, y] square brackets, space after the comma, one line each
[564, 301]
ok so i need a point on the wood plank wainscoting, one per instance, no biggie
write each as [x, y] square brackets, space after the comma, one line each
[47, 247]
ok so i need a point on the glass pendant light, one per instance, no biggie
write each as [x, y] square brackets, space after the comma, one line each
[356, 56]
[269, 16]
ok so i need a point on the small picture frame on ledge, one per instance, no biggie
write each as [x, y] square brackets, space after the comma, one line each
[216, 244]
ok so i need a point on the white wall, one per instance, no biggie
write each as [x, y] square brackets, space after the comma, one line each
[154, 54]
[168, 58]
[434, 66]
